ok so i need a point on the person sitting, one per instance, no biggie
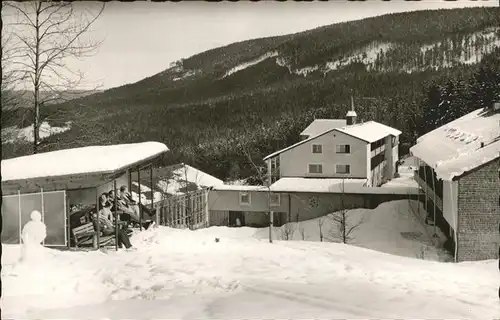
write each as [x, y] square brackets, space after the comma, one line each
[121, 205]
[105, 205]
[107, 227]
[147, 213]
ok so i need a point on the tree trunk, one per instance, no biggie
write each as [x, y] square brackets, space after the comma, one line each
[36, 120]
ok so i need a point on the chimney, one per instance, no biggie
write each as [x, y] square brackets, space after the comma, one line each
[351, 114]
[482, 144]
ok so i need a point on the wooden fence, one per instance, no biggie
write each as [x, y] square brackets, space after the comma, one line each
[189, 210]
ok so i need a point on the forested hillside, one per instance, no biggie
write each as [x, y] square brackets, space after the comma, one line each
[406, 70]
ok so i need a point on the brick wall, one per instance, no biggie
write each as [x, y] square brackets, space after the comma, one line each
[479, 214]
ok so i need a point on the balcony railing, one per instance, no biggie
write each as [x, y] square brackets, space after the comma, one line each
[428, 190]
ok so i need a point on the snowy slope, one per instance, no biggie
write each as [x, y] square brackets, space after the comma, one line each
[390, 228]
[13, 134]
[471, 50]
[180, 274]
[250, 63]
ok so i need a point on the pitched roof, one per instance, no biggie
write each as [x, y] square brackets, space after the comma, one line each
[369, 131]
[320, 126]
[455, 148]
[93, 159]
[183, 173]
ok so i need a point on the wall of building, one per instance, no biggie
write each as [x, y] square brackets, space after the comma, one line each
[88, 196]
[368, 165]
[395, 156]
[229, 200]
[306, 206]
[450, 202]
[378, 174]
[121, 181]
[479, 214]
[303, 206]
[295, 162]
[389, 162]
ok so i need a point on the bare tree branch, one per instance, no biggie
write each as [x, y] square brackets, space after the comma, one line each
[42, 39]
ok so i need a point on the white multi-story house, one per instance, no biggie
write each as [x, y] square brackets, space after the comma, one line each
[339, 149]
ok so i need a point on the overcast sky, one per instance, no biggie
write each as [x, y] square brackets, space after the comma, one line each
[143, 38]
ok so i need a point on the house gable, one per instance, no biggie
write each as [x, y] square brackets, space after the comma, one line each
[295, 162]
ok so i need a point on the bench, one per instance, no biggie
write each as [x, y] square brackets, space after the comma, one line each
[83, 234]
[86, 235]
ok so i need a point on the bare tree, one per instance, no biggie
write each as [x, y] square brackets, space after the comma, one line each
[343, 225]
[286, 231]
[47, 36]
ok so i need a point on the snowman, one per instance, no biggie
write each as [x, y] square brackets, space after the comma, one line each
[32, 236]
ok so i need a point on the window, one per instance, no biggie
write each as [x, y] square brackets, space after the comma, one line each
[313, 202]
[315, 168]
[377, 144]
[245, 198]
[343, 168]
[343, 148]
[275, 199]
[317, 148]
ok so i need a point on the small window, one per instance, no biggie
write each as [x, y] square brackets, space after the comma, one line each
[343, 168]
[315, 168]
[275, 199]
[317, 148]
[245, 198]
[343, 148]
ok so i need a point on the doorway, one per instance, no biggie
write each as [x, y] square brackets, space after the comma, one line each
[235, 217]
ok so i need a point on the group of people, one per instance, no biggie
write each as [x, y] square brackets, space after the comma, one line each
[123, 202]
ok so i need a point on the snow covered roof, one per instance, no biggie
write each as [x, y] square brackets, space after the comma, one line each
[320, 126]
[369, 131]
[185, 173]
[351, 113]
[92, 159]
[455, 148]
[321, 185]
[233, 187]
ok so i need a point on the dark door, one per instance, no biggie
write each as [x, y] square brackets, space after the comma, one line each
[234, 216]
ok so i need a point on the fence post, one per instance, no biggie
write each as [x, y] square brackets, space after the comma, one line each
[43, 211]
[20, 213]
[140, 194]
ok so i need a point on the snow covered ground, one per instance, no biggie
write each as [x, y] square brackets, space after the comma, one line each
[12, 134]
[390, 228]
[182, 274]
[406, 174]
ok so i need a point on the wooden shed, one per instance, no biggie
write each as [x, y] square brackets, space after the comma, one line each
[53, 182]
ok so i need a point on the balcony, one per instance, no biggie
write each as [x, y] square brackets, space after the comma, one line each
[428, 190]
[378, 150]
